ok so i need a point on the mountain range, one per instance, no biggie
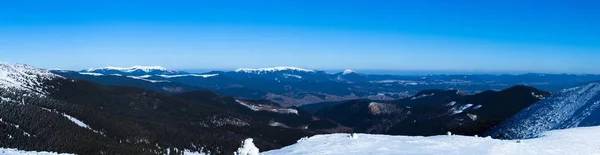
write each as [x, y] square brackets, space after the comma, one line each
[154, 110]
[293, 86]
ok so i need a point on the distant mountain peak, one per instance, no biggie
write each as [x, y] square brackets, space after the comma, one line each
[133, 69]
[272, 69]
[348, 71]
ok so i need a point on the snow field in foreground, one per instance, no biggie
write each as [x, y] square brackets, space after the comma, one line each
[581, 141]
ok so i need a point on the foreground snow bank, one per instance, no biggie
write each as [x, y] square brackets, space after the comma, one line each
[569, 141]
[5, 151]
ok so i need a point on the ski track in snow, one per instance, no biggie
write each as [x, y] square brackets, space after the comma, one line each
[582, 140]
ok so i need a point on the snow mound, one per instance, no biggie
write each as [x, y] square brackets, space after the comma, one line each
[273, 69]
[569, 141]
[24, 77]
[248, 148]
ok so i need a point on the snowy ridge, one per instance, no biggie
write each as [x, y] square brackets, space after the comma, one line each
[565, 109]
[560, 142]
[24, 77]
[133, 69]
[273, 69]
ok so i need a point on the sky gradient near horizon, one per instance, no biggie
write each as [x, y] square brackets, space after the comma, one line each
[548, 36]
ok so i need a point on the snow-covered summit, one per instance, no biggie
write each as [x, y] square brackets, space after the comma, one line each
[348, 71]
[24, 77]
[272, 69]
[132, 69]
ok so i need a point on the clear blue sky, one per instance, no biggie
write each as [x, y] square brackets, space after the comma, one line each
[430, 35]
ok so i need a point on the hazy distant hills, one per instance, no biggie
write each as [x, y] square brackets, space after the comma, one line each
[293, 86]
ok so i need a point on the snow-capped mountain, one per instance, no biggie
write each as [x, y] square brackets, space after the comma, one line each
[24, 77]
[133, 71]
[574, 107]
[583, 140]
[272, 69]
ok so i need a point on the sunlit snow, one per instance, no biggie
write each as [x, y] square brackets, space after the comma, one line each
[560, 142]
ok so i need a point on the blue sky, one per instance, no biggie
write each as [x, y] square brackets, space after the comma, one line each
[427, 35]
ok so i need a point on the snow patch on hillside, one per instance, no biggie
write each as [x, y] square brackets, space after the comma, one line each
[268, 108]
[184, 75]
[569, 141]
[144, 78]
[273, 69]
[75, 120]
[422, 96]
[25, 133]
[292, 75]
[8, 151]
[91, 74]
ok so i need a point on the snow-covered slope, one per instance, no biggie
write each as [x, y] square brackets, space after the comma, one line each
[560, 142]
[568, 108]
[24, 77]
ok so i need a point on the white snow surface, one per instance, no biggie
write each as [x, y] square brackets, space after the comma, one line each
[582, 140]
[248, 148]
[272, 69]
[8, 151]
[24, 77]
